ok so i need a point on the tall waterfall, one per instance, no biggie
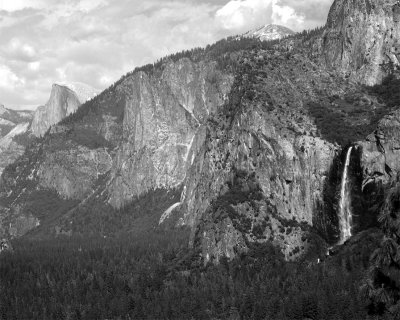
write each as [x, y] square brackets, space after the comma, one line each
[345, 215]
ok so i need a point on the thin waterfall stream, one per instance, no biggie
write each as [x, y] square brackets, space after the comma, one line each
[345, 214]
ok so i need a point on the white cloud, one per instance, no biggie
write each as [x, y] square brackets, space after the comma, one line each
[105, 80]
[97, 41]
[242, 15]
[287, 16]
[8, 79]
[18, 50]
[238, 14]
[15, 5]
[89, 5]
[34, 66]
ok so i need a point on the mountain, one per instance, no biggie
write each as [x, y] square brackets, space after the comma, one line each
[12, 123]
[243, 143]
[269, 32]
[362, 39]
[18, 128]
[64, 100]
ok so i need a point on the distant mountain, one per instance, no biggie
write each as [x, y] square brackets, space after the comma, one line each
[12, 124]
[269, 32]
[18, 128]
[65, 98]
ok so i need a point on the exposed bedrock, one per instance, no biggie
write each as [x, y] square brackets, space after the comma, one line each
[362, 39]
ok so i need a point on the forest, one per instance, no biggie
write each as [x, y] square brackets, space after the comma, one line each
[155, 276]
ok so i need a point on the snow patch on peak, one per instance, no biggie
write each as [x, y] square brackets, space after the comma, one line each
[269, 32]
[83, 91]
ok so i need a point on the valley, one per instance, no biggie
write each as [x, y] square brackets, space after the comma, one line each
[255, 178]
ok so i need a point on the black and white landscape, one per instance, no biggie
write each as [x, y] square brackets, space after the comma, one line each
[245, 166]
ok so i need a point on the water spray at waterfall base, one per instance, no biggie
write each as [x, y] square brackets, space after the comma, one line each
[345, 214]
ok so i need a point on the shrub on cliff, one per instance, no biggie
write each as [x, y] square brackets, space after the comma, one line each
[389, 91]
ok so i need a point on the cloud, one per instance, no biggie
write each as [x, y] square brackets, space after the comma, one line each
[15, 5]
[287, 16]
[9, 79]
[314, 12]
[238, 14]
[97, 41]
[18, 50]
[242, 15]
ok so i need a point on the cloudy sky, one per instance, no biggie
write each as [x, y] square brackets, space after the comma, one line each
[97, 41]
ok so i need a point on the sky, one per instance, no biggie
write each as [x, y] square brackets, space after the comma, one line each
[97, 41]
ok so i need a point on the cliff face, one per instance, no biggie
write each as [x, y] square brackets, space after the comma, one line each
[129, 141]
[258, 169]
[62, 102]
[380, 153]
[361, 39]
[161, 117]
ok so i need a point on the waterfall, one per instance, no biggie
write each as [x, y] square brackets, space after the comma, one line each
[345, 215]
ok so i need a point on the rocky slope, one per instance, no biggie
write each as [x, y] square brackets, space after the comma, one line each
[269, 32]
[239, 144]
[362, 39]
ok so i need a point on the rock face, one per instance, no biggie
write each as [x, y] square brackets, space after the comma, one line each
[62, 102]
[362, 38]
[380, 153]
[270, 32]
[161, 117]
[265, 157]
[72, 173]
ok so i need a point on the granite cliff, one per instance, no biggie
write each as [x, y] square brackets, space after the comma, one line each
[241, 142]
[62, 102]
[362, 39]
[18, 128]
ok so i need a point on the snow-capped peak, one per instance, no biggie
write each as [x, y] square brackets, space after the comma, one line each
[83, 91]
[269, 32]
